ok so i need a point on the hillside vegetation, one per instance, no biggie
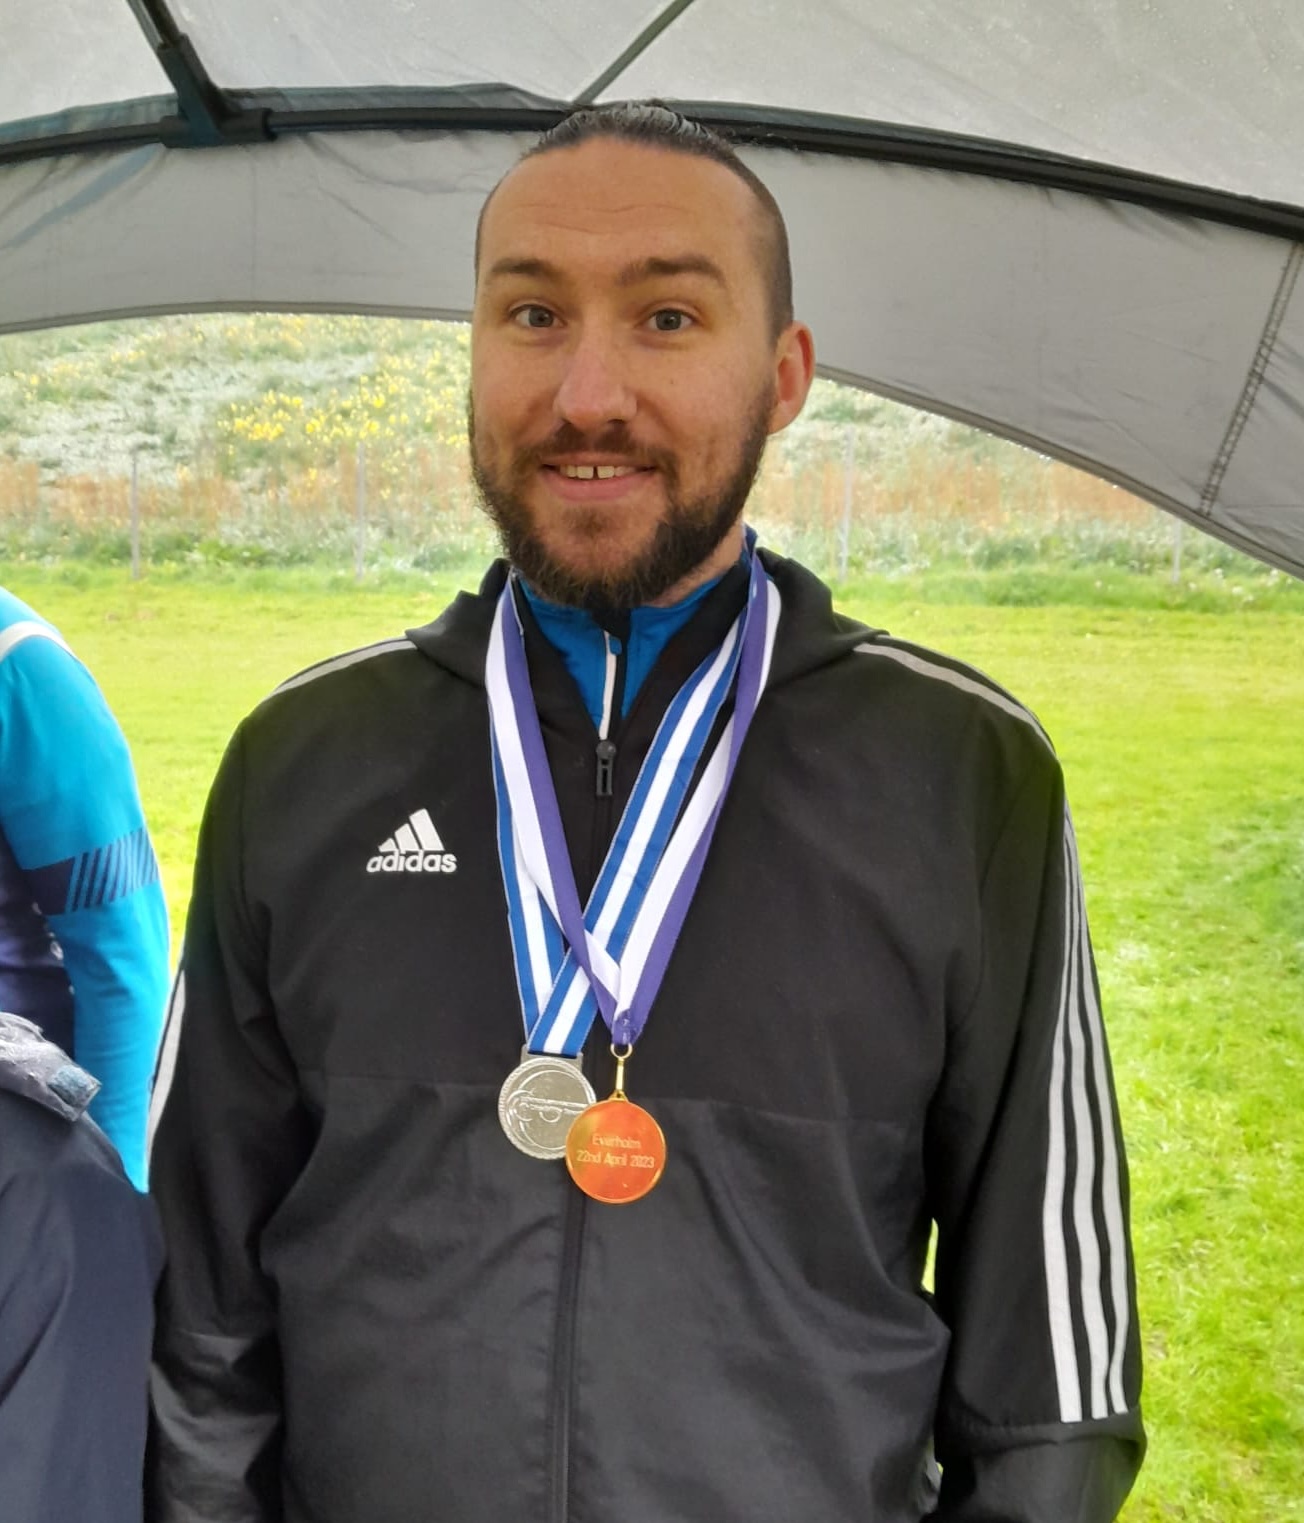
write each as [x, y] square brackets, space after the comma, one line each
[283, 439]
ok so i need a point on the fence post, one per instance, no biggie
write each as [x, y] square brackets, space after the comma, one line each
[848, 485]
[360, 545]
[1177, 551]
[135, 514]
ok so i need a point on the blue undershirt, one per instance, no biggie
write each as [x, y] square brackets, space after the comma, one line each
[582, 643]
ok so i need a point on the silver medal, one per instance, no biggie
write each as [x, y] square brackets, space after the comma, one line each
[539, 1100]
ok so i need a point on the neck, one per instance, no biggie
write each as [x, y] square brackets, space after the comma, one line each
[725, 554]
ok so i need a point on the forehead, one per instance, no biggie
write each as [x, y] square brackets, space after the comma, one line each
[606, 202]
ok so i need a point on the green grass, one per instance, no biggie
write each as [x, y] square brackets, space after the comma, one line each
[1179, 715]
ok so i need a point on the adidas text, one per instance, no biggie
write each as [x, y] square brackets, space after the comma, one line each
[414, 847]
[413, 862]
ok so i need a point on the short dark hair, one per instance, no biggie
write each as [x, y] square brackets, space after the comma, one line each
[656, 125]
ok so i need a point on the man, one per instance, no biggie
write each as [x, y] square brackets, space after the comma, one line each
[83, 924]
[79, 1257]
[640, 879]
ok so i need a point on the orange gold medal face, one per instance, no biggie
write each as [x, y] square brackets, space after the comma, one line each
[615, 1151]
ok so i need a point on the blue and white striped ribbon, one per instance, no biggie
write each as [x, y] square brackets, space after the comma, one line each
[573, 964]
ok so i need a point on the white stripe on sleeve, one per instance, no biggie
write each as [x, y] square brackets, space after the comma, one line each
[1079, 1097]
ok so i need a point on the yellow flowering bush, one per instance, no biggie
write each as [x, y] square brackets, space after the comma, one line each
[411, 398]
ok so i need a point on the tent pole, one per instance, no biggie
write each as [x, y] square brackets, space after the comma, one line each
[639, 46]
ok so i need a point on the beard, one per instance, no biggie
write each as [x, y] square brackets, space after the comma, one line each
[688, 531]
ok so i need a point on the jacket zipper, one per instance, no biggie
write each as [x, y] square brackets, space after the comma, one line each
[613, 677]
[563, 1361]
[563, 1351]
[606, 768]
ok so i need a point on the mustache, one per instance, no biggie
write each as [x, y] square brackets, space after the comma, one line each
[615, 439]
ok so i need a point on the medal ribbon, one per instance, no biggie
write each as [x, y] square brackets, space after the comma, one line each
[611, 957]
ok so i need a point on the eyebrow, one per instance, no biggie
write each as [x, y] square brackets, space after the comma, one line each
[653, 268]
[660, 269]
[533, 269]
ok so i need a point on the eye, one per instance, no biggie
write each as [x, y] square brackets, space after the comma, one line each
[533, 317]
[670, 320]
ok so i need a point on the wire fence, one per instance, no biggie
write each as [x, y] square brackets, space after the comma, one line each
[279, 439]
[827, 502]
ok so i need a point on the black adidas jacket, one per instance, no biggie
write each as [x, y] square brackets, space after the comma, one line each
[882, 1012]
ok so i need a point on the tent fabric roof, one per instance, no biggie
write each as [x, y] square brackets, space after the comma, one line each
[1076, 222]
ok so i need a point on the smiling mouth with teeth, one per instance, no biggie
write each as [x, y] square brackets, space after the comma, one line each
[600, 472]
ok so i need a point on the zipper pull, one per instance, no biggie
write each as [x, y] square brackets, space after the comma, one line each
[606, 767]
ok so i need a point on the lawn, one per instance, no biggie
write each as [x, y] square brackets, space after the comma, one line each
[1181, 730]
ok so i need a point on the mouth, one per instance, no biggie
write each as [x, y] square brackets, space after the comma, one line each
[596, 472]
[594, 481]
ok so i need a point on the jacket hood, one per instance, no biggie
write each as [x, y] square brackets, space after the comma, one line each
[32, 1066]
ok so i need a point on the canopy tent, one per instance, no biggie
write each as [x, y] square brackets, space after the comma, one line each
[1077, 223]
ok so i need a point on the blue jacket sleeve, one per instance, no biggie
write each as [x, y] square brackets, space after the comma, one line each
[71, 813]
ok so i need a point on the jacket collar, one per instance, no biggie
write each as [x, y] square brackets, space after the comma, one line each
[811, 635]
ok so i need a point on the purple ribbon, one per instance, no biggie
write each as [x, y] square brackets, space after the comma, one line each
[626, 1026]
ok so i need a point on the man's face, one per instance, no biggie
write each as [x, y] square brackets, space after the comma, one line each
[624, 376]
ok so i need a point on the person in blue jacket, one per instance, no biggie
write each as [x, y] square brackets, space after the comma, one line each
[83, 923]
[80, 1253]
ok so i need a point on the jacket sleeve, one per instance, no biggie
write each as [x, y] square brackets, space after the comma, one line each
[1039, 1418]
[72, 815]
[231, 1137]
[79, 1258]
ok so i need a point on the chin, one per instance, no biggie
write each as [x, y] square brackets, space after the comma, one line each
[598, 551]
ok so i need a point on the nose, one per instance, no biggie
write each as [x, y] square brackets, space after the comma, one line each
[594, 391]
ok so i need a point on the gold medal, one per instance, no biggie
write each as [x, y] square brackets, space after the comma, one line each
[615, 1151]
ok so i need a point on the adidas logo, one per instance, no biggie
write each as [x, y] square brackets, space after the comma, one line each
[414, 847]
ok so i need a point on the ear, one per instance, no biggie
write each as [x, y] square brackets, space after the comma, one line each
[794, 370]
